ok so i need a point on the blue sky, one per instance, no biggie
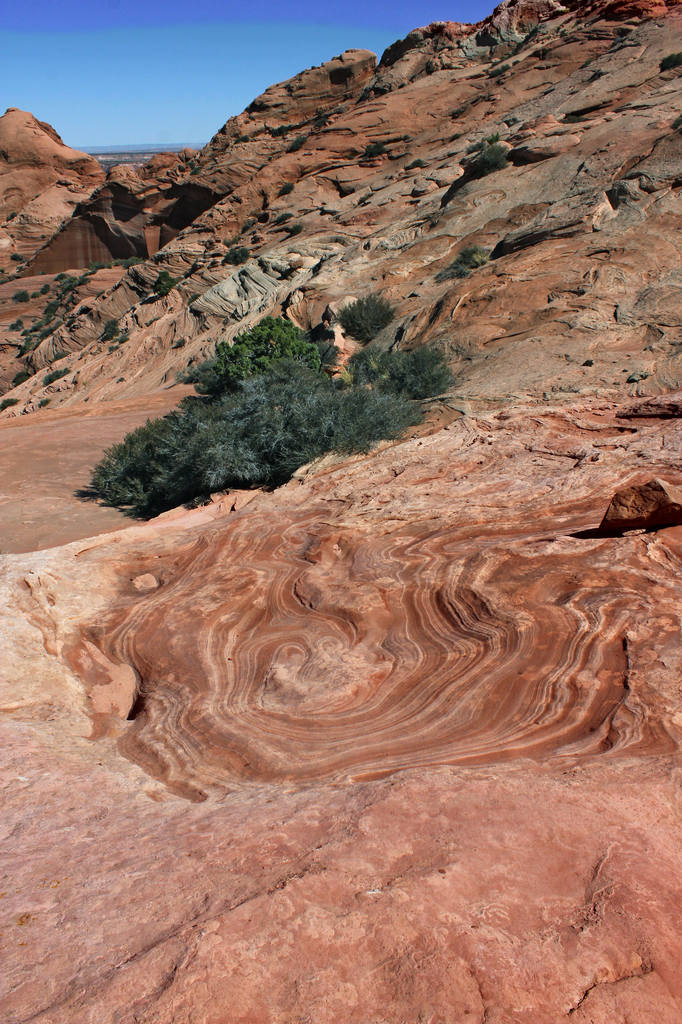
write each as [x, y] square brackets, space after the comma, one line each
[121, 72]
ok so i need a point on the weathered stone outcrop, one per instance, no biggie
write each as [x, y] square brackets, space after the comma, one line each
[41, 181]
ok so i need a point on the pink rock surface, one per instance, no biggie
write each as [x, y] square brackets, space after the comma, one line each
[398, 742]
[398, 746]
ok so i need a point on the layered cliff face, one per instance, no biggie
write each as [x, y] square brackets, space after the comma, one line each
[400, 740]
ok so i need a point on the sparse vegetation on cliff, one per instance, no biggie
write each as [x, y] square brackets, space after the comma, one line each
[364, 318]
[470, 258]
[673, 60]
[164, 283]
[492, 157]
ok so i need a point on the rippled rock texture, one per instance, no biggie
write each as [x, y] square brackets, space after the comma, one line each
[398, 741]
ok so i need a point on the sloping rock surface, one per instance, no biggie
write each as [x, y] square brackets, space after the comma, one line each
[399, 741]
[392, 743]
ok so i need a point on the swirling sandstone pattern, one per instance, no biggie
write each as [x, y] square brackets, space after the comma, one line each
[353, 634]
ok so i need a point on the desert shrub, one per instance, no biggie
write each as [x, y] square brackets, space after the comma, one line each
[374, 149]
[281, 130]
[677, 123]
[364, 318]
[415, 164]
[7, 402]
[54, 375]
[110, 330]
[469, 259]
[673, 60]
[248, 224]
[499, 70]
[43, 402]
[297, 143]
[421, 373]
[252, 353]
[50, 310]
[236, 255]
[16, 325]
[164, 283]
[286, 188]
[21, 296]
[257, 435]
[17, 257]
[493, 157]
[282, 218]
[45, 289]
[20, 377]
[295, 229]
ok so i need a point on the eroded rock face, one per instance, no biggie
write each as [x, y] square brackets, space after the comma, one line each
[41, 181]
[583, 286]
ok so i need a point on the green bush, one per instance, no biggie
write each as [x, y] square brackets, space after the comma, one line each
[677, 123]
[499, 70]
[415, 164]
[297, 144]
[17, 257]
[110, 330]
[673, 60]
[421, 373]
[469, 259]
[236, 255]
[21, 296]
[7, 402]
[295, 229]
[54, 375]
[286, 188]
[364, 318]
[164, 283]
[258, 435]
[282, 218]
[493, 157]
[252, 353]
[374, 149]
[16, 325]
[20, 377]
[45, 289]
[43, 402]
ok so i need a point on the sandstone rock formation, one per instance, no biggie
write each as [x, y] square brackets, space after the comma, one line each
[400, 740]
[391, 742]
[583, 284]
[645, 506]
[41, 181]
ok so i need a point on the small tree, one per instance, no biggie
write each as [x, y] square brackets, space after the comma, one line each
[252, 353]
